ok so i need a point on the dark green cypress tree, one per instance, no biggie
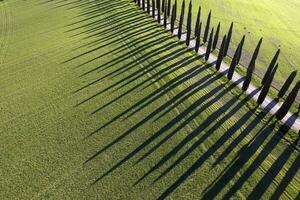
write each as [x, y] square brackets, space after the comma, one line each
[283, 110]
[158, 10]
[271, 66]
[189, 25]
[173, 17]
[143, 6]
[139, 3]
[163, 6]
[198, 38]
[220, 55]
[235, 59]
[209, 45]
[216, 38]
[234, 62]
[287, 84]
[153, 9]
[241, 49]
[229, 34]
[165, 16]
[198, 21]
[265, 89]
[169, 8]
[148, 7]
[207, 28]
[251, 66]
[181, 19]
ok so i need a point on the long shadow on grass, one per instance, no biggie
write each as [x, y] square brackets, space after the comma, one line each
[241, 145]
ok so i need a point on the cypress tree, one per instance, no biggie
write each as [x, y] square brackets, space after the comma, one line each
[266, 86]
[198, 21]
[208, 49]
[163, 6]
[234, 62]
[220, 55]
[139, 3]
[143, 4]
[173, 17]
[235, 59]
[169, 8]
[216, 38]
[165, 16]
[283, 110]
[251, 66]
[207, 27]
[189, 25]
[229, 34]
[198, 38]
[148, 7]
[153, 9]
[271, 66]
[158, 10]
[241, 49]
[287, 84]
[181, 19]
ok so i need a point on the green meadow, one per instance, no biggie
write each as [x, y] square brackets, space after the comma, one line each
[276, 21]
[98, 101]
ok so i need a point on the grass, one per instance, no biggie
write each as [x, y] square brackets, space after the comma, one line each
[276, 21]
[95, 95]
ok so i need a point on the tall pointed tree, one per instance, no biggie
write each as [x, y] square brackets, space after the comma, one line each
[189, 25]
[271, 66]
[287, 84]
[241, 49]
[169, 8]
[209, 45]
[148, 7]
[216, 38]
[283, 110]
[234, 61]
[198, 38]
[158, 10]
[207, 27]
[221, 52]
[265, 89]
[173, 17]
[251, 66]
[198, 21]
[181, 19]
[229, 34]
[165, 16]
[143, 4]
[139, 3]
[153, 9]
[163, 6]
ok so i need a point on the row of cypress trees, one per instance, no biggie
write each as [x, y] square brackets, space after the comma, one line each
[211, 38]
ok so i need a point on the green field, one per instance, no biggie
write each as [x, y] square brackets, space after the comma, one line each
[276, 21]
[99, 102]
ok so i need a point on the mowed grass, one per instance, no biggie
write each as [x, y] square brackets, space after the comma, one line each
[97, 101]
[275, 20]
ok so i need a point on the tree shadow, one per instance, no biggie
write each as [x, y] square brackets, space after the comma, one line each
[248, 139]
